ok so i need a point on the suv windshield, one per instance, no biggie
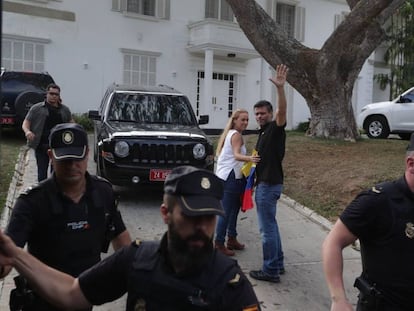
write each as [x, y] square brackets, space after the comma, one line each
[151, 108]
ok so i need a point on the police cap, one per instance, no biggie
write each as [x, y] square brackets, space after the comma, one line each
[68, 141]
[199, 191]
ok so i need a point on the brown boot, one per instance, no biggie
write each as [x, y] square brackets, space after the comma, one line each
[222, 248]
[232, 243]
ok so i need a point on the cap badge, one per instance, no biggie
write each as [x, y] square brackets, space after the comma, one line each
[67, 137]
[409, 230]
[205, 183]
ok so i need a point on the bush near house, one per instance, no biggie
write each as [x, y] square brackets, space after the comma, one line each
[82, 119]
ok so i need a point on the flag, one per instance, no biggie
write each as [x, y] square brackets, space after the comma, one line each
[248, 170]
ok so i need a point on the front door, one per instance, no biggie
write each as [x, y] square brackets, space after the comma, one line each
[222, 102]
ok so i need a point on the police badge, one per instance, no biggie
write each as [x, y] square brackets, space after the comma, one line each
[409, 230]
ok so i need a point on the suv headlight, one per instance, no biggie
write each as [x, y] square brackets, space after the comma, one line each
[199, 151]
[121, 149]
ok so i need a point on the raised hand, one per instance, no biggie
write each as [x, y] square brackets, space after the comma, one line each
[280, 77]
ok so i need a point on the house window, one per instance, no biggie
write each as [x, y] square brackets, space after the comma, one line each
[135, 8]
[21, 55]
[143, 7]
[219, 9]
[139, 69]
[285, 17]
[289, 16]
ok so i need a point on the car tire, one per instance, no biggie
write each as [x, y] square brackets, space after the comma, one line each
[26, 100]
[377, 127]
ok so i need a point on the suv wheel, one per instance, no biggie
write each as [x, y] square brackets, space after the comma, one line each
[26, 100]
[377, 127]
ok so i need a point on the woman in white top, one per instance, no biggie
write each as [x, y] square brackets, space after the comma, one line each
[231, 153]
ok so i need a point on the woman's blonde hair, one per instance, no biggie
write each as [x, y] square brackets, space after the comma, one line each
[230, 125]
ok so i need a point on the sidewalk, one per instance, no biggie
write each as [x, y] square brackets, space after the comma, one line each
[302, 287]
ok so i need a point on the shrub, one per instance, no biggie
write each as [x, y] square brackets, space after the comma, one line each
[82, 119]
[303, 126]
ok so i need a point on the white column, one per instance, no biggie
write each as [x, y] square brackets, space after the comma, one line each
[208, 82]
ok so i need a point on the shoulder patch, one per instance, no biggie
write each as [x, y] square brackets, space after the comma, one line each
[101, 179]
[376, 189]
[251, 308]
[29, 189]
[234, 281]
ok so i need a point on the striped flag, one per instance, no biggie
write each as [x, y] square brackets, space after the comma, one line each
[248, 170]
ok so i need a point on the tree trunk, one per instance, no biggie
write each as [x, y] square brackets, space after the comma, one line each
[324, 77]
[330, 119]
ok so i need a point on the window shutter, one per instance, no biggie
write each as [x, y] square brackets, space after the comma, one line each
[269, 8]
[339, 18]
[163, 9]
[116, 6]
[123, 5]
[300, 24]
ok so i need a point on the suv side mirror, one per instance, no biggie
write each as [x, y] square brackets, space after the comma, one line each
[94, 115]
[204, 119]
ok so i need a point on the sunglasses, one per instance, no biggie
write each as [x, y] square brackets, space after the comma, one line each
[53, 94]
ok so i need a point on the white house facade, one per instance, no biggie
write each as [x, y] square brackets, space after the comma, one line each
[195, 46]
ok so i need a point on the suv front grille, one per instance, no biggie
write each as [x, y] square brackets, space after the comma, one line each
[151, 153]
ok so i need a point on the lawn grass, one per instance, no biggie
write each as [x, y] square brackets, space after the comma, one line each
[10, 145]
[325, 175]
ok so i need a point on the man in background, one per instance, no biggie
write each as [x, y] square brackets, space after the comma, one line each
[40, 119]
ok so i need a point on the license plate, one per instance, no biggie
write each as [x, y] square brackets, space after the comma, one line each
[5, 120]
[158, 175]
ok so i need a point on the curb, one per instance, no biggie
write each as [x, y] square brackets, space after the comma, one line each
[307, 212]
[15, 184]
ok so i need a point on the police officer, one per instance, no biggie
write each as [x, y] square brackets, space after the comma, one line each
[181, 272]
[68, 219]
[382, 218]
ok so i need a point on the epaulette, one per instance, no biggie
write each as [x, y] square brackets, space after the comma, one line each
[377, 189]
[29, 189]
[101, 179]
[234, 281]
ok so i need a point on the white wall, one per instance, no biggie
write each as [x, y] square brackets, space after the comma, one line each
[84, 56]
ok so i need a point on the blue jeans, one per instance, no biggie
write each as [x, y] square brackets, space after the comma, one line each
[266, 201]
[233, 188]
[42, 161]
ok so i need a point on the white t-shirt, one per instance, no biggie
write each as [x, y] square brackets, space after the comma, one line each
[226, 161]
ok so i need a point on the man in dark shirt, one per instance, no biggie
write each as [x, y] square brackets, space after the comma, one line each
[182, 272]
[382, 218]
[269, 178]
[40, 119]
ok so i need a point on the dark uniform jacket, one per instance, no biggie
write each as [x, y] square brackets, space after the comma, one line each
[67, 236]
[383, 220]
[143, 271]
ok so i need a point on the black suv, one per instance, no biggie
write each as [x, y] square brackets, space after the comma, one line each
[141, 133]
[19, 91]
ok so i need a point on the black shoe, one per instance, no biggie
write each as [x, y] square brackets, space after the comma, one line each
[260, 275]
[282, 271]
